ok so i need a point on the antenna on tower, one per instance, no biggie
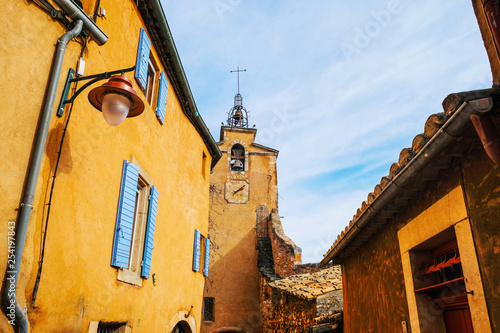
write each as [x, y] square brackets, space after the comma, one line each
[238, 115]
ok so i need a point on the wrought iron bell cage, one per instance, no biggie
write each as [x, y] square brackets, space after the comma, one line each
[237, 115]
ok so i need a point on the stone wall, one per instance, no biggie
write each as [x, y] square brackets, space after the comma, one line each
[329, 302]
[285, 313]
[307, 268]
[285, 253]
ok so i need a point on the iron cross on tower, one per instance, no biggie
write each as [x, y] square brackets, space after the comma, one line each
[238, 72]
[238, 115]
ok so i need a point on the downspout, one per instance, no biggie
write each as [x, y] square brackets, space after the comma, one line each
[33, 170]
[492, 11]
[488, 134]
[452, 129]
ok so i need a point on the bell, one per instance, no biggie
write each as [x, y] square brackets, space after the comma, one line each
[237, 166]
[238, 116]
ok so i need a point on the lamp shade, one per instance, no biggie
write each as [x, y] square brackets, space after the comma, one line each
[117, 100]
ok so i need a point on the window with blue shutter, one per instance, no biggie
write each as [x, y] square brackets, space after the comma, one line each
[162, 98]
[197, 250]
[150, 233]
[142, 63]
[207, 257]
[125, 216]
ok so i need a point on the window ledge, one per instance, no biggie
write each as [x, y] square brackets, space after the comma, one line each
[124, 275]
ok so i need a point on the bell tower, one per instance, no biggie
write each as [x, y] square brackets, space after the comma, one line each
[243, 183]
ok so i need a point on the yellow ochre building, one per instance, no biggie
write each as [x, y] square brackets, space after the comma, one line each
[107, 226]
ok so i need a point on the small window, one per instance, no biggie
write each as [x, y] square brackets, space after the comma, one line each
[238, 158]
[201, 253]
[208, 309]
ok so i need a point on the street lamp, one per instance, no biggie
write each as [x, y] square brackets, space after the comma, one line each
[116, 99]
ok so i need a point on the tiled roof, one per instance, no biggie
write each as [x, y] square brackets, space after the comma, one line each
[311, 285]
[434, 125]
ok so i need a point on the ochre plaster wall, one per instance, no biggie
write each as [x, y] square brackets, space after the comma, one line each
[234, 276]
[78, 285]
[373, 284]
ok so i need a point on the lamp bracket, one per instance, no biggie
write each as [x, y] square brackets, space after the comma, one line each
[93, 79]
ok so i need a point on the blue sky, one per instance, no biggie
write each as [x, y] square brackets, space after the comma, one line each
[339, 88]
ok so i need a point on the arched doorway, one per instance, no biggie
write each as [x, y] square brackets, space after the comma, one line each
[182, 327]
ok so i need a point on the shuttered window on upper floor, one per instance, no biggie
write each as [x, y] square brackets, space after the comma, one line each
[146, 74]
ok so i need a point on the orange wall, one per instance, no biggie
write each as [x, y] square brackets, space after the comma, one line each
[78, 285]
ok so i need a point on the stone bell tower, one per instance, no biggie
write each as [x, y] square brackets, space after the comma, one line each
[243, 183]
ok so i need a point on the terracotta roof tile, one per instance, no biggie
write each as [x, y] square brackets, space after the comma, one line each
[311, 285]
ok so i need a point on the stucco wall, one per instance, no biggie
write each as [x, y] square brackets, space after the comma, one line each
[78, 285]
[373, 284]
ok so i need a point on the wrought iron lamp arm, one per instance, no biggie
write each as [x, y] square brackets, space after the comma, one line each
[94, 78]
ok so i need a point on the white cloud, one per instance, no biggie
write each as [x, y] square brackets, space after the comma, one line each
[350, 116]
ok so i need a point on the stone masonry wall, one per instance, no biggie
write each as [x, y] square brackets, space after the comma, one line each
[330, 302]
[307, 268]
[285, 313]
[285, 253]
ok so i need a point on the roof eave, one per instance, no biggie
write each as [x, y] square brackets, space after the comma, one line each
[156, 23]
[461, 106]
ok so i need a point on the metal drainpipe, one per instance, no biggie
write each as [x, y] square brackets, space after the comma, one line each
[492, 12]
[33, 171]
[488, 134]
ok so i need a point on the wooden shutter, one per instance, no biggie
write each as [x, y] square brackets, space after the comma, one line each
[125, 216]
[207, 257]
[162, 98]
[197, 250]
[142, 62]
[150, 233]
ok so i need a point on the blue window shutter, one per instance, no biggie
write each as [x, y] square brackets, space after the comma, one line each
[197, 250]
[142, 63]
[150, 233]
[207, 256]
[125, 216]
[162, 98]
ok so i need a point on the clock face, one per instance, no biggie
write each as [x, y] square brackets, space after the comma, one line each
[237, 191]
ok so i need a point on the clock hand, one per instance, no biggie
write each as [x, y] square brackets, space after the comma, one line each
[241, 188]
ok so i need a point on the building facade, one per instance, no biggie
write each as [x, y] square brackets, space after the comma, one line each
[116, 224]
[428, 233]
